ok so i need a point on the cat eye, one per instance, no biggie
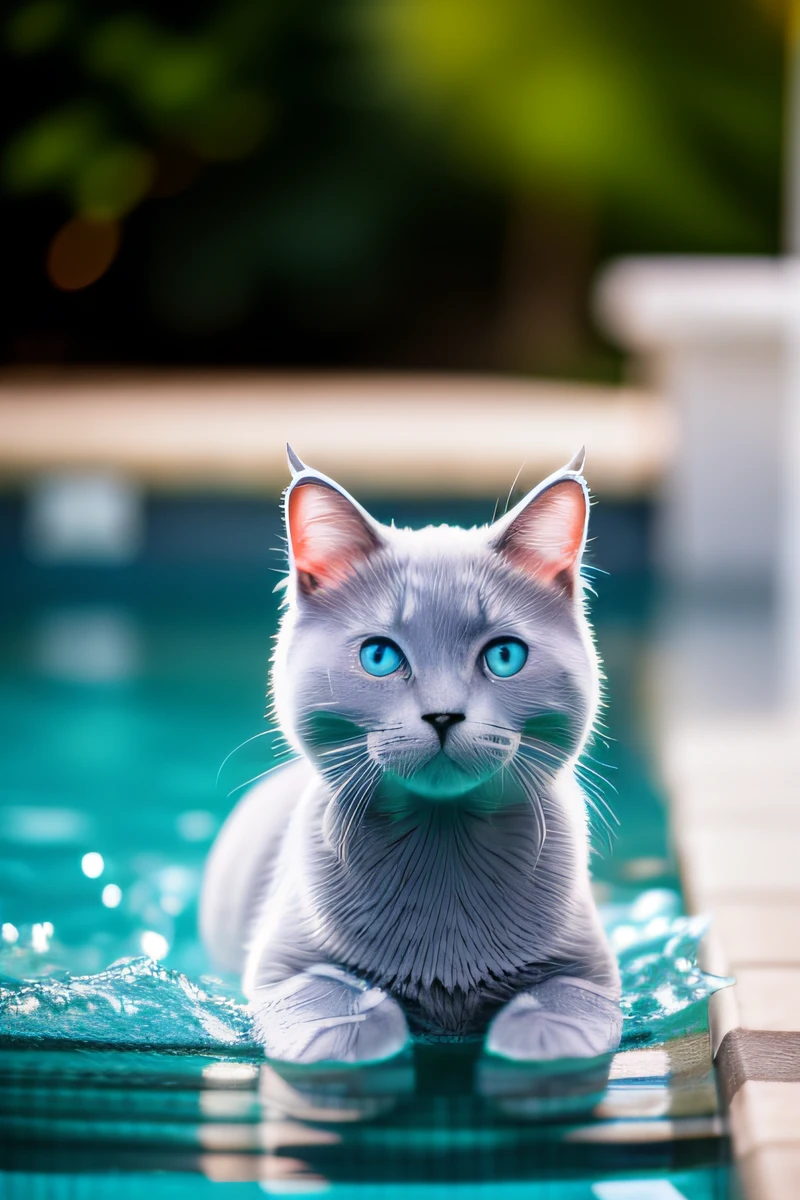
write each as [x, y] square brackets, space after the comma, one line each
[380, 656]
[505, 657]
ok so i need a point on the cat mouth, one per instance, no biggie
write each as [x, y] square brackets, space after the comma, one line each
[441, 778]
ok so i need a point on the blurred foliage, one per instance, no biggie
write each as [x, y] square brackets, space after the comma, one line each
[202, 88]
[35, 27]
[616, 101]
[406, 181]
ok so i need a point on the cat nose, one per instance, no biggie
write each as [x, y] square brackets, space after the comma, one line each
[441, 722]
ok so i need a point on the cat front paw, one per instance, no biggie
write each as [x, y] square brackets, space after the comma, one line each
[562, 1018]
[326, 1015]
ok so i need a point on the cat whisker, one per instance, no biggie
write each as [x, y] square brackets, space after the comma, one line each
[356, 790]
[262, 775]
[359, 805]
[594, 784]
[542, 751]
[511, 489]
[590, 788]
[344, 748]
[527, 778]
[581, 765]
[275, 733]
[610, 833]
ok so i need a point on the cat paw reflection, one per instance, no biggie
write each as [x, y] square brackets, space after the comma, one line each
[335, 1094]
[543, 1090]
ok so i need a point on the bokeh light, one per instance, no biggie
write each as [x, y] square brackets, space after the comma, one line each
[223, 1074]
[154, 945]
[112, 895]
[81, 252]
[92, 865]
[196, 825]
[41, 933]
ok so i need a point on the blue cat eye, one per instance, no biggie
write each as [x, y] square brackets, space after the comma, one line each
[505, 657]
[380, 656]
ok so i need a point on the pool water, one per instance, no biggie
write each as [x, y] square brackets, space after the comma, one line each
[121, 695]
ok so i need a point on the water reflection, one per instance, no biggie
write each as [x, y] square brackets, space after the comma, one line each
[543, 1090]
[334, 1094]
[421, 1118]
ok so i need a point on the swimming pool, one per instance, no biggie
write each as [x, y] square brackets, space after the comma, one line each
[123, 691]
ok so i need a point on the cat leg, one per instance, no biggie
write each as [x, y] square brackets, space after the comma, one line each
[242, 860]
[322, 1014]
[564, 1017]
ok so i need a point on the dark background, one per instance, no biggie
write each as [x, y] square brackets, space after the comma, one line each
[401, 183]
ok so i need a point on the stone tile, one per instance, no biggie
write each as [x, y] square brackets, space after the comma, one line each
[768, 998]
[740, 864]
[771, 1173]
[763, 999]
[759, 742]
[757, 933]
[765, 1114]
[720, 797]
[736, 823]
[755, 1054]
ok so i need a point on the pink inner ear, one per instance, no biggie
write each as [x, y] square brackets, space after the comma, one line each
[546, 538]
[328, 535]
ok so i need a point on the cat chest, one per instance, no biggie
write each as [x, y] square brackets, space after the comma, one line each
[446, 933]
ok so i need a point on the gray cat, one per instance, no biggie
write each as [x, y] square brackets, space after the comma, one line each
[422, 867]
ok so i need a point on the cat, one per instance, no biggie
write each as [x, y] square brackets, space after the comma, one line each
[422, 868]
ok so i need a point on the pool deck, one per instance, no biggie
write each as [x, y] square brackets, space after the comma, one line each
[405, 434]
[736, 820]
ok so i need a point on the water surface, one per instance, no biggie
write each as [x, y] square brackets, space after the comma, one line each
[118, 704]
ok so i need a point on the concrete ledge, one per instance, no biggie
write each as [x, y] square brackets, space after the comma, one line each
[651, 302]
[442, 435]
[746, 1060]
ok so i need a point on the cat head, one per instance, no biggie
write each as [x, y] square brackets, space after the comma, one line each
[438, 660]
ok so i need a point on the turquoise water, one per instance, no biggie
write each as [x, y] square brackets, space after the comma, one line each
[141, 1002]
[117, 707]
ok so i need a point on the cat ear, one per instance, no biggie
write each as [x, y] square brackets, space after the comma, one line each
[576, 463]
[544, 535]
[329, 532]
[296, 464]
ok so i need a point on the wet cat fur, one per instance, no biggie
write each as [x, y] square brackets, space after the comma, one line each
[395, 877]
